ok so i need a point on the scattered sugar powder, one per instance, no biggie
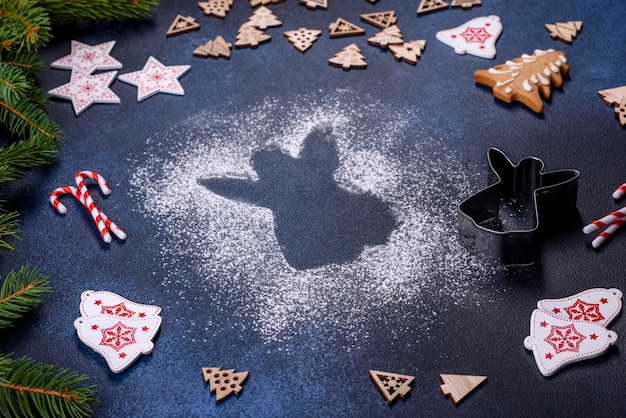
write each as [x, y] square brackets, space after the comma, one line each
[222, 256]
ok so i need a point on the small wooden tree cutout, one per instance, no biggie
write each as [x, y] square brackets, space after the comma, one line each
[314, 4]
[427, 6]
[349, 57]
[303, 38]
[409, 51]
[250, 37]
[217, 8]
[381, 20]
[389, 36]
[215, 48]
[613, 96]
[392, 385]
[526, 79]
[342, 27]
[182, 24]
[223, 382]
[458, 386]
[564, 31]
[255, 3]
[466, 4]
[263, 18]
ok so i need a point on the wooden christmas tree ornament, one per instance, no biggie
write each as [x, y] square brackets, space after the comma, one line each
[223, 382]
[303, 38]
[342, 27]
[381, 20]
[427, 6]
[264, 18]
[217, 8]
[466, 4]
[214, 48]
[409, 51]
[458, 386]
[255, 3]
[349, 57]
[564, 31]
[392, 385]
[389, 36]
[613, 96]
[182, 24]
[250, 37]
[314, 4]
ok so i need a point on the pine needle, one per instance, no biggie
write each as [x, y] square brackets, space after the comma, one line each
[32, 389]
[20, 292]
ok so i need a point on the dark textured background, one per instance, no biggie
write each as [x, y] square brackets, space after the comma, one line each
[577, 130]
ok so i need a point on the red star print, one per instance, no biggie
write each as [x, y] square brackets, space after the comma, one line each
[593, 336]
[479, 35]
[604, 300]
[94, 327]
[142, 315]
[144, 328]
[549, 356]
[556, 310]
[543, 324]
[122, 355]
[98, 302]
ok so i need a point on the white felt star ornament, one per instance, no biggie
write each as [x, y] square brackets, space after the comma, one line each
[156, 78]
[86, 58]
[85, 89]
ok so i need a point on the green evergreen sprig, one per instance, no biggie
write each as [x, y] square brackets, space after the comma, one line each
[20, 292]
[30, 389]
[9, 222]
[25, 25]
[82, 11]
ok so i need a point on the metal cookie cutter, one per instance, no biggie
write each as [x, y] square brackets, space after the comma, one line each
[502, 221]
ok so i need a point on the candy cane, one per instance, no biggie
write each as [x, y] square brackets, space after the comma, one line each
[88, 201]
[619, 192]
[605, 221]
[604, 235]
[93, 210]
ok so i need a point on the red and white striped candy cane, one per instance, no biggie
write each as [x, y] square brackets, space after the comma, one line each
[606, 234]
[88, 201]
[81, 176]
[93, 209]
[605, 221]
[619, 192]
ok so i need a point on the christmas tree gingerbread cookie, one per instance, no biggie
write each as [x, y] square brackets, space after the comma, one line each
[475, 37]
[566, 31]
[526, 79]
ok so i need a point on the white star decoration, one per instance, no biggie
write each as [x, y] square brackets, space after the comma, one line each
[156, 78]
[85, 89]
[87, 58]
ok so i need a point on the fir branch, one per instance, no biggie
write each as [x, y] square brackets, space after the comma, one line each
[23, 25]
[8, 228]
[31, 389]
[21, 291]
[27, 61]
[63, 11]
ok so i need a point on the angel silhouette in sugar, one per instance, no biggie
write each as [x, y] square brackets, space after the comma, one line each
[317, 222]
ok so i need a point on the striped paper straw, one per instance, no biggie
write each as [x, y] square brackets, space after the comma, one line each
[606, 234]
[605, 221]
[619, 192]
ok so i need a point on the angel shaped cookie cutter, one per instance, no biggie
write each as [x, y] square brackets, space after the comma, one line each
[502, 221]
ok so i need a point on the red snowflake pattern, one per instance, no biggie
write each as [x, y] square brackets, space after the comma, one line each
[479, 35]
[583, 311]
[566, 338]
[118, 310]
[118, 336]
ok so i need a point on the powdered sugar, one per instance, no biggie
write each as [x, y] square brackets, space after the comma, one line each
[233, 261]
